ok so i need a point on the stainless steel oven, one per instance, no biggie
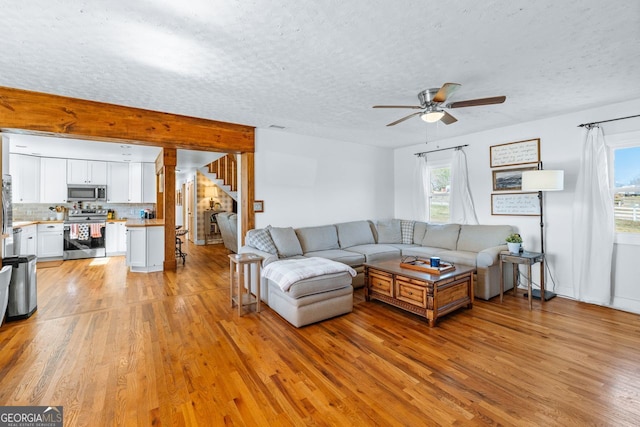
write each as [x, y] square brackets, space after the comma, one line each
[85, 232]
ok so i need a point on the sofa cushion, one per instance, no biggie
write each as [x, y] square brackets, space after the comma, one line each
[441, 236]
[402, 246]
[352, 259]
[389, 231]
[320, 238]
[419, 230]
[261, 239]
[459, 257]
[354, 233]
[406, 231]
[376, 252]
[286, 241]
[423, 252]
[475, 238]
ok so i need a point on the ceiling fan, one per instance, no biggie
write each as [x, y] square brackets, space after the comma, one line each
[432, 104]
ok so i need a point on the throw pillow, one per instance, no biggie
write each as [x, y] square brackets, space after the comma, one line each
[286, 242]
[389, 231]
[407, 231]
[261, 240]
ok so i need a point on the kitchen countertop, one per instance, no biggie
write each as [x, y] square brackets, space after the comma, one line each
[20, 224]
[145, 223]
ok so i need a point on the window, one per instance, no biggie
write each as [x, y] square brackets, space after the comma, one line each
[625, 178]
[439, 193]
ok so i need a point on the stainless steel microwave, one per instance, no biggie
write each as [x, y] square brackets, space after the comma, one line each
[86, 193]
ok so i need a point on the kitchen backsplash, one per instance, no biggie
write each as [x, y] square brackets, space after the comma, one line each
[41, 211]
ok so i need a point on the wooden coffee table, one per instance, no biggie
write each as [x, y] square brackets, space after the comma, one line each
[428, 295]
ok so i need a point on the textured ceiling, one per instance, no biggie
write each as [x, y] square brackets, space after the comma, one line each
[317, 67]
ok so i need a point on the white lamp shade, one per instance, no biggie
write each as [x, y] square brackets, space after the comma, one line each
[543, 180]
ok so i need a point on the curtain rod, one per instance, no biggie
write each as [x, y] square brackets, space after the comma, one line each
[605, 121]
[441, 149]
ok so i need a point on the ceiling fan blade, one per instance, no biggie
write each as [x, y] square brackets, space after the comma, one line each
[447, 119]
[478, 102]
[404, 118]
[445, 91]
[415, 107]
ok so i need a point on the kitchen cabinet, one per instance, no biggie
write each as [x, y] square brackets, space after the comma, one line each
[142, 183]
[28, 240]
[145, 248]
[50, 240]
[118, 182]
[135, 182]
[53, 180]
[116, 241]
[86, 172]
[25, 174]
[148, 183]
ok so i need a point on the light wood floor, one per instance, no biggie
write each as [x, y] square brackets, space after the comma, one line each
[116, 348]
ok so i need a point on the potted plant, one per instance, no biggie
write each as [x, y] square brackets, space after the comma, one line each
[514, 241]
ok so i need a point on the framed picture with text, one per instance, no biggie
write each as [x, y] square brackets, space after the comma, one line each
[526, 204]
[515, 153]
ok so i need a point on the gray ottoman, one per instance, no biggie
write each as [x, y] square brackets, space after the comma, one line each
[312, 300]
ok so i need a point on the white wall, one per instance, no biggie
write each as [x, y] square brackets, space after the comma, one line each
[314, 181]
[561, 146]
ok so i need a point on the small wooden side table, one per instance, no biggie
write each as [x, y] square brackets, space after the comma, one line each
[239, 267]
[526, 258]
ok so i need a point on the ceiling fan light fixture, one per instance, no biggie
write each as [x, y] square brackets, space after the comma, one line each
[432, 116]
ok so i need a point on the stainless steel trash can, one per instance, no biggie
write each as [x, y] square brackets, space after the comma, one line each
[22, 288]
[17, 241]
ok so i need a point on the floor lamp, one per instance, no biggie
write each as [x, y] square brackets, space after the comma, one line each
[542, 180]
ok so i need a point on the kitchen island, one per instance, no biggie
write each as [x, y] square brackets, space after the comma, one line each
[145, 245]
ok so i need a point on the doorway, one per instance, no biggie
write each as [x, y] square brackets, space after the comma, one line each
[190, 208]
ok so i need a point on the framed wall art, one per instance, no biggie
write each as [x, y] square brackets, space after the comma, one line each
[509, 179]
[258, 205]
[515, 153]
[515, 204]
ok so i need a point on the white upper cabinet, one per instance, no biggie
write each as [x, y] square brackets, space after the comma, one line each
[86, 172]
[25, 173]
[53, 180]
[135, 182]
[148, 183]
[117, 182]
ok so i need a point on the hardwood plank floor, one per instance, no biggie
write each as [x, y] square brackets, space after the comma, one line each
[119, 348]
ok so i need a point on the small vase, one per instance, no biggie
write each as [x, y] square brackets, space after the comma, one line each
[514, 248]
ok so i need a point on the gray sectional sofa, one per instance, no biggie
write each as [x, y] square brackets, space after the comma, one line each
[354, 243]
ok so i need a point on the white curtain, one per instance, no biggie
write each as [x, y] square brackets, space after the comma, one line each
[421, 188]
[461, 206]
[593, 223]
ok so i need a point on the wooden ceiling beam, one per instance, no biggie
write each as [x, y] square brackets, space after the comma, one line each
[24, 111]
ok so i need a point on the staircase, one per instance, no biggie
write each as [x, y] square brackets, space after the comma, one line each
[224, 174]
